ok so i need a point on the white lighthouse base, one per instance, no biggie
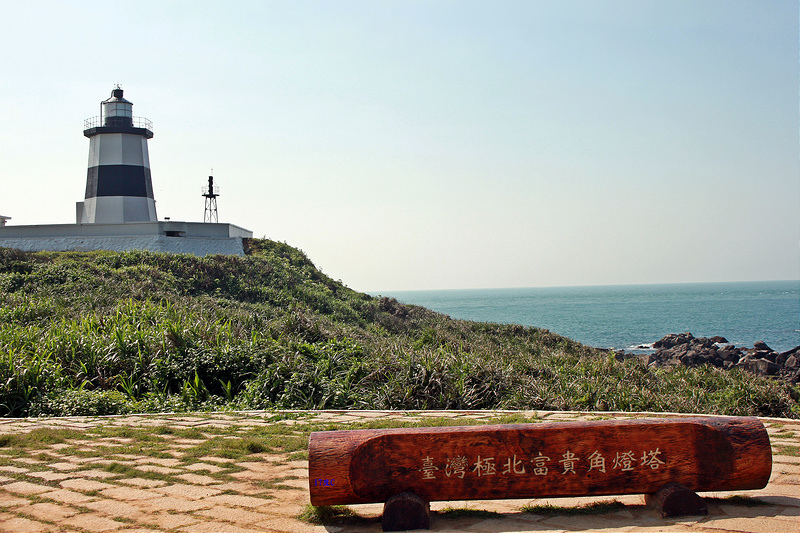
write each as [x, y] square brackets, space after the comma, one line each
[173, 237]
[115, 210]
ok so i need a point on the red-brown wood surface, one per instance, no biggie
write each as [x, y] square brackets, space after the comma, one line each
[535, 460]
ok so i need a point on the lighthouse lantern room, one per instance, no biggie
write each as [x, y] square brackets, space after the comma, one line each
[119, 188]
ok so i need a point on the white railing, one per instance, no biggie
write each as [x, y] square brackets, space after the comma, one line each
[138, 122]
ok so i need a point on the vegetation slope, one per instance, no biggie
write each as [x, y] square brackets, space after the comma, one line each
[106, 333]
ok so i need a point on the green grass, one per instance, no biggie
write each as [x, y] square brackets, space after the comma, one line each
[596, 508]
[743, 501]
[102, 333]
[326, 514]
[786, 449]
[39, 438]
[464, 512]
[128, 471]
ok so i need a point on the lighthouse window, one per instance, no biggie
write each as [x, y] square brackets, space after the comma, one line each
[118, 110]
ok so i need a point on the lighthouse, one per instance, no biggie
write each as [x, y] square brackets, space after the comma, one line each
[119, 188]
[118, 212]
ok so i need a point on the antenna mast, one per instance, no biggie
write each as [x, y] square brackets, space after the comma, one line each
[210, 193]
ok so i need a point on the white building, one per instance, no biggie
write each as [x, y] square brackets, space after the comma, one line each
[119, 211]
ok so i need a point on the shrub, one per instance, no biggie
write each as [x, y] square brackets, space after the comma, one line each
[80, 402]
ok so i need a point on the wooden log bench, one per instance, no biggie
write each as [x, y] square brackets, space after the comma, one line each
[666, 459]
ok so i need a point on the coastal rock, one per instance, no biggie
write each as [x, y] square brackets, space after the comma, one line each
[793, 351]
[688, 350]
[759, 366]
[762, 346]
[673, 339]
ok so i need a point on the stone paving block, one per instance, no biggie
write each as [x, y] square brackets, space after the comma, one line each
[741, 511]
[85, 484]
[217, 527]
[142, 483]
[209, 459]
[299, 484]
[198, 479]
[23, 525]
[94, 473]
[753, 525]
[53, 454]
[50, 511]
[130, 493]
[27, 460]
[790, 490]
[50, 476]
[158, 469]
[188, 491]
[67, 496]
[238, 501]
[23, 487]
[108, 442]
[64, 466]
[181, 505]
[129, 457]
[116, 508]
[492, 525]
[196, 467]
[256, 466]
[13, 469]
[249, 489]
[786, 468]
[788, 479]
[249, 475]
[231, 514]
[84, 460]
[786, 501]
[160, 461]
[92, 522]
[121, 440]
[283, 524]
[791, 511]
[596, 523]
[9, 500]
[184, 419]
[169, 520]
[4, 479]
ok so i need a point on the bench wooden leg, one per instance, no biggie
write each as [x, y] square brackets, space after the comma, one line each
[674, 499]
[406, 511]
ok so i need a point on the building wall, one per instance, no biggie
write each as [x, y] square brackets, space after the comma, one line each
[131, 229]
[156, 243]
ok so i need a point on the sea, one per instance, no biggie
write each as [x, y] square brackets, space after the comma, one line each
[632, 317]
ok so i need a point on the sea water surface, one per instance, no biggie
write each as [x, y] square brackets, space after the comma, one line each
[626, 317]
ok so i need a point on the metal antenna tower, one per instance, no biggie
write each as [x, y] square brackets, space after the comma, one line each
[210, 192]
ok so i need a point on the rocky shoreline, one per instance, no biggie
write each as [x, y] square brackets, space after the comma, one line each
[688, 350]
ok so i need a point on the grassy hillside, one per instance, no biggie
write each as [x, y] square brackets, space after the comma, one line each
[105, 332]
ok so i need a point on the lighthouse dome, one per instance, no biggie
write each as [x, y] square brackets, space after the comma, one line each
[116, 111]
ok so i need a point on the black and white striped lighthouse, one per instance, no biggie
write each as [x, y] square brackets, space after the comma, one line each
[118, 184]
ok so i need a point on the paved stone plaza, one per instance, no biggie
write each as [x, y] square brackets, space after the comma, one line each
[90, 483]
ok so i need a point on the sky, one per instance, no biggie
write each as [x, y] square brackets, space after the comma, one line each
[434, 144]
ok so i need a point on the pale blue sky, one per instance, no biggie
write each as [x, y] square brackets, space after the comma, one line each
[434, 144]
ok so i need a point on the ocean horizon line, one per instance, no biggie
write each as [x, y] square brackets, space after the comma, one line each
[590, 286]
[633, 315]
